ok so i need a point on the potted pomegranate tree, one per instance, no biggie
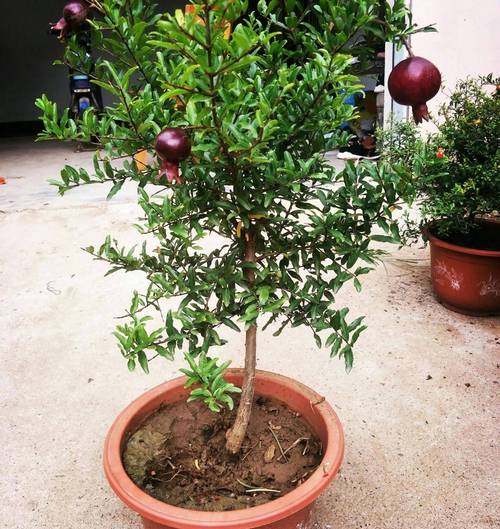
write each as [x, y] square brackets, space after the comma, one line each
[457, 188]
[236, 110]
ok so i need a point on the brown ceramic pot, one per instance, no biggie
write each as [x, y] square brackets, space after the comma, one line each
[465, 279]
[292, 511]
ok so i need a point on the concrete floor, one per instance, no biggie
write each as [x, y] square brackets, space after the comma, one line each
[419, 408]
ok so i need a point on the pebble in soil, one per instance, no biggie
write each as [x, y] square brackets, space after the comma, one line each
[178, 456]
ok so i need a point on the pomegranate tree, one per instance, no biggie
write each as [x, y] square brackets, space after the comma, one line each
[258, 108]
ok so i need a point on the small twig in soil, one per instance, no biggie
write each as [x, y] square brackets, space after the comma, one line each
[273, 491]
[279, 444]
[250, 451]
[253, 488]
[293, 445]
[313, 404]
[174, 476]
[154, 478]
[301, 479]
[243, 484]
[166, 460]
[320, 401]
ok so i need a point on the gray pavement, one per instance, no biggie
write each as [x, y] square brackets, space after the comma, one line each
[420, 408]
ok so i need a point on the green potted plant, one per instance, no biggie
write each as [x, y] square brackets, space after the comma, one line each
[237, 109]
[457, 190]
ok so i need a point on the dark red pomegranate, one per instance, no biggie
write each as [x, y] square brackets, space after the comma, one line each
[413, 82]
[75, 13]
[173, 146]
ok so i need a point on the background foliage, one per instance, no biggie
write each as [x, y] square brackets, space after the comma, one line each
[456, 170]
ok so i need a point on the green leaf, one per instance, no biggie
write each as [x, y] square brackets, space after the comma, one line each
[348, 357]
[135, 303]
[116, 187]
[263, 295]
[276, 305]
[180, 230]
[384, 238]
[107, 87]
[228, 323]
[143, 361]
[244, 202]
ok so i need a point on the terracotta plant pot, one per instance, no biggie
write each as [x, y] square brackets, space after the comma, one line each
[465, 280]
[292, 511]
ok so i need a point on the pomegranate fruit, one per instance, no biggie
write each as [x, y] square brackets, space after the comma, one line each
[173, 146]
[413, 82]
[75, 14]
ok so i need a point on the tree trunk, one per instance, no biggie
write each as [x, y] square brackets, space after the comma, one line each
[236, 435]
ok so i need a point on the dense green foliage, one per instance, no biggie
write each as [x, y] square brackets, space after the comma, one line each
[456, 170]
[261, 107]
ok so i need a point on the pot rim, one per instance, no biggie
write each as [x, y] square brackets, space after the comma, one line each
[275, 510]
[434, 239]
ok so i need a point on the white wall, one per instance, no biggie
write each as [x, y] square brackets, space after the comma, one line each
[467, 42]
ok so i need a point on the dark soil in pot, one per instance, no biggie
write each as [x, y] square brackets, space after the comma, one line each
[483, 236]
[178, 456]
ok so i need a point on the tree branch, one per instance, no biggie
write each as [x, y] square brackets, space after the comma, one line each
[236, 435]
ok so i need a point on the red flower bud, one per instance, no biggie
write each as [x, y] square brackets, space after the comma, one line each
[171, 171]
